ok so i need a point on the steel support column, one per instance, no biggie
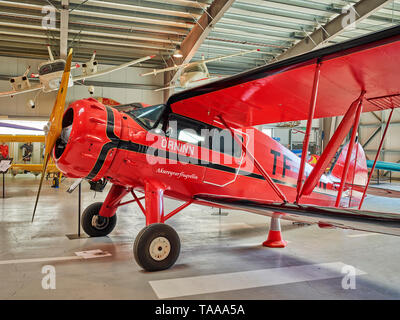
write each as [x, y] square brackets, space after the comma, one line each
[376, 159]
[64, 18]
[196, 37]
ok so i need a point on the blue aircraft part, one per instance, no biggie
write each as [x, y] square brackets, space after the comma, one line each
[382, 165]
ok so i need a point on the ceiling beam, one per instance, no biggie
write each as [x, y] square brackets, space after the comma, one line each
[196, 37]
[336, 26]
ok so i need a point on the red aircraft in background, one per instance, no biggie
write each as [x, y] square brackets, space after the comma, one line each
[201, 147]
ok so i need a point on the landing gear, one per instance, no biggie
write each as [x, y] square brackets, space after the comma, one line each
[157, 247]
[95, 225]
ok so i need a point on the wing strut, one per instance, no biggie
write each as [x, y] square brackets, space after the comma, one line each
[306, 141]
[332, 147]
[376, 159]
[349, 153]
[256, 163]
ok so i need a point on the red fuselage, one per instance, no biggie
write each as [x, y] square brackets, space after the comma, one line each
[106, 143]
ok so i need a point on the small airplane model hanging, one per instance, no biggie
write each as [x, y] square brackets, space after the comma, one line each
[174, 149]
[194, 73]
[50, 73]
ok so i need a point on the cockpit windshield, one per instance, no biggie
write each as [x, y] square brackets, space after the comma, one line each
[55, 66]
[149, 116]
[195, 68]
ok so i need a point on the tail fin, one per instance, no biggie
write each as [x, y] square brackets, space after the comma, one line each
[357, 173]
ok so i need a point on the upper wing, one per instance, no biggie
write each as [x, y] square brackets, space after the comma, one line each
[281, 92]
[14, 92]
[112, 69]
[380, 222]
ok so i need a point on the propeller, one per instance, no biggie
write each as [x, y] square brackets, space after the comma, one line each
[55, 123]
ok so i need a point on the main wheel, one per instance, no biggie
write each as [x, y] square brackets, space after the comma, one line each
[157, 247]
[95, 225]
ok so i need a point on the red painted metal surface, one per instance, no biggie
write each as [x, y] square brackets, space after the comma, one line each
[306, 141]
[157, 176]
[107, 143]
[177, 210]
[256, 163]
[138, 202]
[112, 200]
[376, 159]
[349, 153]
[283, 93]
[154, 192]
[332, 147]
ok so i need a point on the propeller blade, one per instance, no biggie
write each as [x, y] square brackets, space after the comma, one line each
[58, 109]
[55, 123]
[45, 163]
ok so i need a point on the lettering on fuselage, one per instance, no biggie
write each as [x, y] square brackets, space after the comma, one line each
[287, 167]
[286, 163]
[179, 175]
[184, 148]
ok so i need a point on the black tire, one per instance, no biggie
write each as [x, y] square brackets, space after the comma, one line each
[145, 248]
[104, 225]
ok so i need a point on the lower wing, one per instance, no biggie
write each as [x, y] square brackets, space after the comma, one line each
[362, 220]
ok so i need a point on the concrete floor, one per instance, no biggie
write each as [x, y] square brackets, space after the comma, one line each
[212, 245]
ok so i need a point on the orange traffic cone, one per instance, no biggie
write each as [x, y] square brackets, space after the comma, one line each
[275, 236]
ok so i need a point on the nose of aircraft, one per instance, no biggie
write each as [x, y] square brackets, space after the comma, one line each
[88, 138]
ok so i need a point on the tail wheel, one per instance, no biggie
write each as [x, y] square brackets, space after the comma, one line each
[95, 225]
[157, 247]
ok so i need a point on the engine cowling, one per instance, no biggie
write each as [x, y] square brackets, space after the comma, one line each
[90, 135]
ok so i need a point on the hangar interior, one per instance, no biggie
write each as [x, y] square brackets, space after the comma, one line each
[221, 255]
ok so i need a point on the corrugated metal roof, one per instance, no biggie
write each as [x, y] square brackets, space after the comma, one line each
[273, 26]
[122, 30]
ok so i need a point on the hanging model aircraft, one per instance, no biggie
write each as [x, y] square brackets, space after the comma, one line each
[194, 73]
[174, 149]
[50, 73]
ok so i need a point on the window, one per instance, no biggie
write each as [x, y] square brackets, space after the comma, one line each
[148, 117]
[187, 130]
[204, 135]
[223, 142]
[52, 67]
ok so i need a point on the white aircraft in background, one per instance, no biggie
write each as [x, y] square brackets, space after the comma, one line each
[194, 73]
[50, 73]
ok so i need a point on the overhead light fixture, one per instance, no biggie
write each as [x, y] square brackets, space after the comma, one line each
[178, 52]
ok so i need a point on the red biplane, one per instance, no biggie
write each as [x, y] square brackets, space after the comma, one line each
[175, 149]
